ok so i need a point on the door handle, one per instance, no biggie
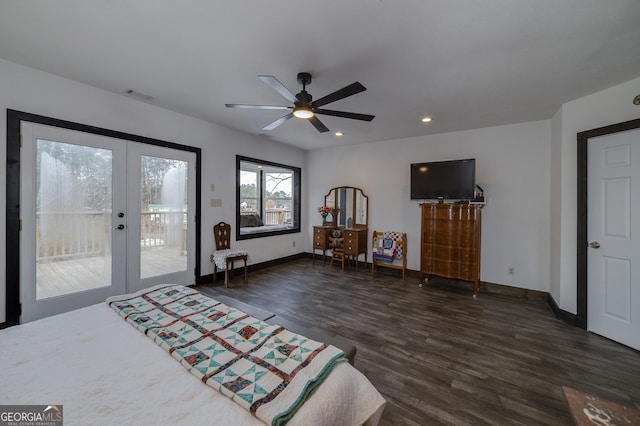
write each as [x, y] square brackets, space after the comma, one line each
[594, 244]
[119, 227]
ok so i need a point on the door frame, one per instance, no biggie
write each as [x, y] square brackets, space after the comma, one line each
[582, 240]
[14, 120]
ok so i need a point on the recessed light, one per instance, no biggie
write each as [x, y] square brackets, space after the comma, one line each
[338, 133]
[426, 119]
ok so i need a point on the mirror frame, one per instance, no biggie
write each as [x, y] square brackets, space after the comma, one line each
[356, 192]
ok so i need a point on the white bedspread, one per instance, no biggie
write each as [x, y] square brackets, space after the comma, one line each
[103, 371]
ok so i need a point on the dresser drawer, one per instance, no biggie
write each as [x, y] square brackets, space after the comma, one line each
[451, 241]
[351, 249]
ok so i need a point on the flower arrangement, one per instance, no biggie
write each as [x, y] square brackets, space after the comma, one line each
[324, 211]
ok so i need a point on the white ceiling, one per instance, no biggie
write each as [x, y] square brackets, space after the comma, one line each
[466, 63]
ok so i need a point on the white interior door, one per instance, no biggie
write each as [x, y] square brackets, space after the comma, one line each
[613, 257]
[72, 188]
[100, 217]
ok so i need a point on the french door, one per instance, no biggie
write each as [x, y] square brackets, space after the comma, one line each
[100, 216]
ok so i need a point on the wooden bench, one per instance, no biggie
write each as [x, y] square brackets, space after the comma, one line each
[320, 336]
[254, 311]
[271, 318]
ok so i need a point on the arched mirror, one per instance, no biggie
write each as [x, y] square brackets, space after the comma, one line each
[352, 206]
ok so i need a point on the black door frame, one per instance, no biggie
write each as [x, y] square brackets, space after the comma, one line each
[14, 120]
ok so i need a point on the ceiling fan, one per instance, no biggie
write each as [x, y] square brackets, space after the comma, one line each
[304, 107]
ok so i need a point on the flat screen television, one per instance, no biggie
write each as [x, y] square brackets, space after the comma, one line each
[444, 180]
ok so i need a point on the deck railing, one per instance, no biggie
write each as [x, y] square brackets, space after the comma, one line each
[71, 235]
[61, 236]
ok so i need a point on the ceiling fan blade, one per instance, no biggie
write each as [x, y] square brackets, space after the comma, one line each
[278, 122]
[345, 92]
[245, 106]
[275, 84]
[343, 114]
[318, 124]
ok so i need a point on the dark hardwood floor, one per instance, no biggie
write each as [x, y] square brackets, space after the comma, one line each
[437, 355]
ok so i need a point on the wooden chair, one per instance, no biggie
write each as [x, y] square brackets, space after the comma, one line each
[336, 243]
[398, 258]
[224, 255]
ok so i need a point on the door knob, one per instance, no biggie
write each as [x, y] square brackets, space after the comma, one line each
[594, 244]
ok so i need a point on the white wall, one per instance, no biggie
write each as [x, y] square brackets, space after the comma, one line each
[528, 171]
[29, 90]
[555, 201]
[610, 106]
[512, 166]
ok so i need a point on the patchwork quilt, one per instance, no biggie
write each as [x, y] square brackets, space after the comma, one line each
[265, 368]
[386, 247]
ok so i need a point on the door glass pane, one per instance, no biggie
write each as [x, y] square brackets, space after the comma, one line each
[163, 217]
[73, 218]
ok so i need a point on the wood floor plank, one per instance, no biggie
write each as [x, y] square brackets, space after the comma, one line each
[440, 357]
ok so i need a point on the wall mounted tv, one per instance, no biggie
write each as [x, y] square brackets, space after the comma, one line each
[444, 180]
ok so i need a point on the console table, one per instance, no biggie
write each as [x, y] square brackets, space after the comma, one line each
[450, 242]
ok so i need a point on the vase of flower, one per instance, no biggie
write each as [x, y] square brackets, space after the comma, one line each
[324, 211]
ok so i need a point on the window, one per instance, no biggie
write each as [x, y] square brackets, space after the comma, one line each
[268, 198]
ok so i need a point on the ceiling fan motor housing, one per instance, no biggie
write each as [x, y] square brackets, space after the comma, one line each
[304, 98]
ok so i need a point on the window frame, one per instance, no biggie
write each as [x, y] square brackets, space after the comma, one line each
[295, 205]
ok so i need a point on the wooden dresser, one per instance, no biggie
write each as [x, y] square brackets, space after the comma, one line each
[355, 242]
[321, 241]
[450, 242]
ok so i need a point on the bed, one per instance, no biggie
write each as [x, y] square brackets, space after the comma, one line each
[105, 371]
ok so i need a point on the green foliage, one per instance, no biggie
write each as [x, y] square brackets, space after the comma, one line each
[248, 191]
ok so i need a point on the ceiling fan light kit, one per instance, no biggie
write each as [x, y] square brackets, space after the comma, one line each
[303, 112]
[304, 106]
